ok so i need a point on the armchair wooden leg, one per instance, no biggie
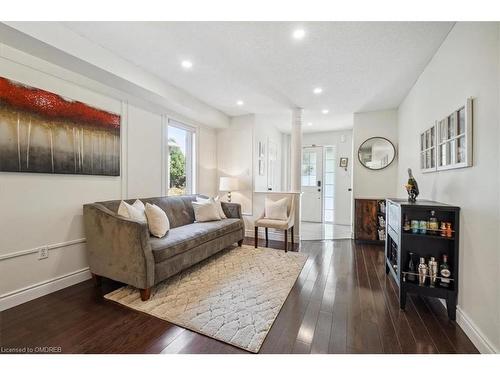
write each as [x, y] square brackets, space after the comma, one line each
[145, 294]
[293, 247]
[267, 237]
[286, 240]
[97, 279]
[256, 237]
[240, 243]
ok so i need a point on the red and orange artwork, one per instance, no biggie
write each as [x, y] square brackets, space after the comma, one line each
[43, 132]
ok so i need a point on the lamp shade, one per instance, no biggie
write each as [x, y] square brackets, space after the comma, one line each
[228, 184]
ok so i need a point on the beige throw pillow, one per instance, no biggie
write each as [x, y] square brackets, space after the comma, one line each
[205, 211]
[217, 204]
[157, 220]
[135, 211]
[276, 210]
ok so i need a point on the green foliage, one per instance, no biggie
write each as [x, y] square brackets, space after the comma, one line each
[177, 168]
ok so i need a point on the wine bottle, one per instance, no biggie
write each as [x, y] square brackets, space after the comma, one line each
[444, 272]
[411, 269]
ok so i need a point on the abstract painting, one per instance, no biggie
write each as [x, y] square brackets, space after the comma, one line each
[43, 132]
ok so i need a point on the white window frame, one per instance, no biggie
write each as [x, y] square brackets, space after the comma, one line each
[431, 147]
[467, 135]
[334, 149]
[191, 153]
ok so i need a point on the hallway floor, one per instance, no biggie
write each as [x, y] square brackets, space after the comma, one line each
[324, 231]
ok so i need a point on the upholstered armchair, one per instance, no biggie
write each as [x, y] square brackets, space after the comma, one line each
[284, 225]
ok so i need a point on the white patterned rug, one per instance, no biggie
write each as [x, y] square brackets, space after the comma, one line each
[233, 296]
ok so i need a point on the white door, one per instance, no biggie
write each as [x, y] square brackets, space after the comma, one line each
[312, 184]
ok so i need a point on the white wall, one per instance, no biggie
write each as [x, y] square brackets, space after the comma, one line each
[235, 157]
[265, 132]
[375, 183]
[466, 65]
[342, 140]
[46, 209]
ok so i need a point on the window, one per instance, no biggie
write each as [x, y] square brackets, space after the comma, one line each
[309, 168]
[181, 158]
[329, 187]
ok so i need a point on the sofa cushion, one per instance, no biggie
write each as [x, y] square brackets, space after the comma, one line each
[181, 239]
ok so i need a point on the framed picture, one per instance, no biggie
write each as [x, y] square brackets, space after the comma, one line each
[454, 143]
[43, 132]
[344, 162]
[428, 150]
[261, 167]
[262, 149]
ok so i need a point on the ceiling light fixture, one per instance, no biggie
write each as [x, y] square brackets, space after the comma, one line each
[186, 64]
[240, 102]
[309, 124]
[299, 34]
[318, 90]
[325, 111]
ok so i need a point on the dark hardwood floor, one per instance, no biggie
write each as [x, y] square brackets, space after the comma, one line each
[342, 302]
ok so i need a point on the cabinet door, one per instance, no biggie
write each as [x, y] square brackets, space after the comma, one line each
[366, 219]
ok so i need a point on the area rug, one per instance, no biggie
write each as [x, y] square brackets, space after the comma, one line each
[233, 296]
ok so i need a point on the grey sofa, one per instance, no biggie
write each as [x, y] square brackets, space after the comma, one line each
[123, 250]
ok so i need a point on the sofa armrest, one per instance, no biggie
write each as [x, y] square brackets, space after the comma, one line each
[232, 210]
[117, 247]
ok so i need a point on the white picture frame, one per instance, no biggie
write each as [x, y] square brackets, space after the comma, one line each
[454, 143]
[428, 145]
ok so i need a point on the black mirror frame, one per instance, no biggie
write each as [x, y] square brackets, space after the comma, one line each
[388, 164]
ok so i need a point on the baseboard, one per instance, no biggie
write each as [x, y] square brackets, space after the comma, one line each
[274, 236]
[43, 288]
[475, 335]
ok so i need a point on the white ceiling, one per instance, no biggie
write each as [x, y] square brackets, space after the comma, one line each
[361, 66]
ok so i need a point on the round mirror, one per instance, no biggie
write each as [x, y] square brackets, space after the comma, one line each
[376, 153]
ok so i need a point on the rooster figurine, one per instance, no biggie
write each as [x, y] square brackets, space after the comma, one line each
[411, 187]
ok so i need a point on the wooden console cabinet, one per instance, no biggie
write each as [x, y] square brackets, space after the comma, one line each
[367, 222]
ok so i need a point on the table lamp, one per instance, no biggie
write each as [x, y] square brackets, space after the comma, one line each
[228, 184]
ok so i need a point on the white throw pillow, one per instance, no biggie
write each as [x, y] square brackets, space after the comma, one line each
[217, 204]
[135, 211]
[157, 220]
[276, 210]
[205, 211]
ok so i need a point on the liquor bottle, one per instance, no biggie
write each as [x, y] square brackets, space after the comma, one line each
[406, 225]
[433, 224]
[423, 270]
[444, 272]
[411, 269]
[433, 271]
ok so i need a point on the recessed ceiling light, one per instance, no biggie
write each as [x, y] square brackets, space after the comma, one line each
[318, 90]
[309, 124]
[186, 64]
[325, 111]
[240, 102]
[299, 34]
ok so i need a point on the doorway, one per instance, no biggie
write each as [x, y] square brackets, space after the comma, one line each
[318, 177]
[312, 180]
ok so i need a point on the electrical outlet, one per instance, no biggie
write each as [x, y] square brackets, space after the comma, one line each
[43, 252]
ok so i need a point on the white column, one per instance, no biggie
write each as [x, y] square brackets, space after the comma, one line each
[296, 166]
[296, 149]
